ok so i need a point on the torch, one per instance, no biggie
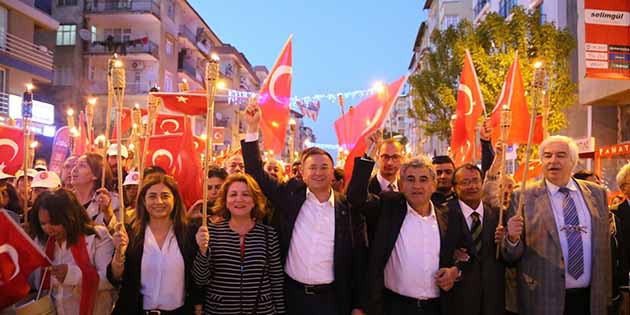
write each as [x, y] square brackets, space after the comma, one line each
[538, 85]
[506, 122]
[137, 131]
[72, 127]
[212, 74]
[27, 114]
[153, 105]
[89, 115]
[118, 87]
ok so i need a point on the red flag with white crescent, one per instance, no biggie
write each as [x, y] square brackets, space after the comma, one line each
[274, 100]
[189, 103]
[11, 149]
[366, 118]
[469, 108]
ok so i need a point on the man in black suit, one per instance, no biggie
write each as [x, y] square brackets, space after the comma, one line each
[412, 266]
[444, 168]
[480, 292]
[321, 237]
[390, 156]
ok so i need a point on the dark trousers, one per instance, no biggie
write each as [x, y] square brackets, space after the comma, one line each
[306, 301]
[577, 302]
[396, 304]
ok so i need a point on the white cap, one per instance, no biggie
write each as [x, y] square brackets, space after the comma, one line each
[46, 179]
[133, 178]
[4, 175]
[29, 172]
[113, 150]
[40, 167]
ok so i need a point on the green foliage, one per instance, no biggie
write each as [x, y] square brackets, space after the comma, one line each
[492, 45]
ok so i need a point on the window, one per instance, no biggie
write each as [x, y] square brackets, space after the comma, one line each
[119, 34]
[62, 76]
[66, 2]
[3, 27]
[4, 99]
[169, 47]
[450, 20]
[93, 33]
[170, 9]
[137, 75]
[505, 8]
[66, 35]
[91, 71]
[168, 82]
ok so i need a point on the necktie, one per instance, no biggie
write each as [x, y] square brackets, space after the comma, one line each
[475, 229]
[574, 238]
[391, 187]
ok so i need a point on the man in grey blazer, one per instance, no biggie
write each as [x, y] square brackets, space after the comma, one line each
[560, 242]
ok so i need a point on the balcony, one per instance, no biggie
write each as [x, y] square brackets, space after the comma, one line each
[123, 6]
[188, 34]
[26, 56]
[150, 48]
[187, 67]
[506, 7]
[4, 103]
[480, 6]
[132, 88]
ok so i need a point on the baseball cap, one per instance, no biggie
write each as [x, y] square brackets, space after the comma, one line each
[29, 172]
[133, 178]
[113, 150]
[46, 179]
[4, 175]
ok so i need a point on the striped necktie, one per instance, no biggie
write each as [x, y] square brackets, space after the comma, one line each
[574, 235]
[475, 229]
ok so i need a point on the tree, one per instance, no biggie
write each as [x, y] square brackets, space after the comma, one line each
[492, 45]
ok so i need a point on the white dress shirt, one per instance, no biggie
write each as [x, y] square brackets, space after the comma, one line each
[384, 183]
[67, 294]
[584, 215]
[468, 211]
[415, 260]
[310, 257]
[162, 273]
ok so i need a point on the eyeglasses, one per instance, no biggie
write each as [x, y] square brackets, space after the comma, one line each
[394, 158]
[467, 182]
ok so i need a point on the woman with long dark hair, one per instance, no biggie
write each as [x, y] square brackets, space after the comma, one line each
[238, 262]
[153, 263]
[10, 201]
[80, 252]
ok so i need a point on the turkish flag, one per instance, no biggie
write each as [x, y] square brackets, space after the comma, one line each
[187, 170]
[19, 257]
[80, 142]
[274, 100]
[170, 124]
[189, 103]
[513, 96]
[535, 170]
[11, 149]
[469, 108]
[363, 120]
[162, 151]
[126, 122]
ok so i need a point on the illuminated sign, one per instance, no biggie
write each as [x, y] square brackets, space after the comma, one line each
[42, 112]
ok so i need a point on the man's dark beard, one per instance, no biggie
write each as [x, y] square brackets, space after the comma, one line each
[444, 190]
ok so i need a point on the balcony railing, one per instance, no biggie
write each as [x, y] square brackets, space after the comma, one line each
[131, 88]
[4, 103]
[26, 51]
[188, 34]
[148, 48]
[481, 4]
[113, 6]
[188, 68]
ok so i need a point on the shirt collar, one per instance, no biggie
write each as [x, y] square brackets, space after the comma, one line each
[311, 196]
[553, 189]
[431, 214]
[383, 182]
[467, 211]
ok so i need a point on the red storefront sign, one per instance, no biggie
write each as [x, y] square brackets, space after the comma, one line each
[607, 39]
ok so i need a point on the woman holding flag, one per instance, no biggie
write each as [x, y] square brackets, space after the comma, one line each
[79, 251]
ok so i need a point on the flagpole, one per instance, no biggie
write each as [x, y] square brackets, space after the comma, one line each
[153, 104]
[539, 82]
[506, 122]
[212, 74]
[27, 114]
[342, 103]
[110, 95]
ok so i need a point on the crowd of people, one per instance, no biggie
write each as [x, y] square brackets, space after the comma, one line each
[415, 236]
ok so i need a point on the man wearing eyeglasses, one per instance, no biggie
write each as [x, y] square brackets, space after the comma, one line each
[560, 239]
[480, 290]
[389, 160]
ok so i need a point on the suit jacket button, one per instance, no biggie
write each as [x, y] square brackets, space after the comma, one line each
[343, 213]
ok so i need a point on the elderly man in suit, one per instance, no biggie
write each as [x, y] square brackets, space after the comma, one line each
[321, 237]
[390, 155]
[560, 239]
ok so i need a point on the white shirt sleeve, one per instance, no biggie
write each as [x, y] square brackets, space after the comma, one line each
[251, 137]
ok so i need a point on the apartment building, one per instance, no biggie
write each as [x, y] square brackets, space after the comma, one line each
[27, 42]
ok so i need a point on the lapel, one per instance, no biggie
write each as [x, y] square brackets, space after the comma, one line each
[343, 225]
[296, 200]
[442, 219]
[398, 214]
[542, 210]
[590, 203]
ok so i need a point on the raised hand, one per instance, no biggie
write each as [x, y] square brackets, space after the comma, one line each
[252, 116]
[515, 228]
[203, 238]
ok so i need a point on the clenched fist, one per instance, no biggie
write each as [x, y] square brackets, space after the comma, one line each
[515, 228]
[203, 237]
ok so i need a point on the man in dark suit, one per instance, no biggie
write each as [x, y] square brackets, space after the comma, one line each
[560, 240]
[480, 292]
[321, 237]
[444, 168]
[412, 265]
[390, 155]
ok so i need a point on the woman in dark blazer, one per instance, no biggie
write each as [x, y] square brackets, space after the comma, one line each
[238, 262]
[153, 263]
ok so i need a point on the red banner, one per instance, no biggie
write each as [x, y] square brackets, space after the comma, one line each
[607, 39]
[59, 149]
[11, 149]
